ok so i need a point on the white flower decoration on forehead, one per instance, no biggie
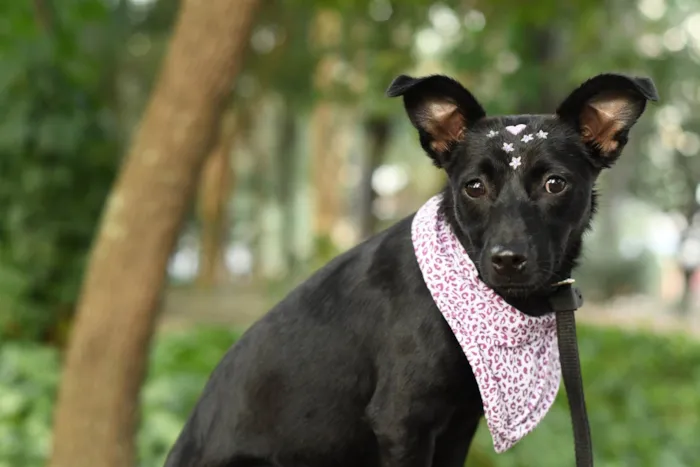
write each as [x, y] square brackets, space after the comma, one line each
[515, 130]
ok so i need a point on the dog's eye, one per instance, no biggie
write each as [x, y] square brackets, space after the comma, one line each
[475, 189]
[555, 185]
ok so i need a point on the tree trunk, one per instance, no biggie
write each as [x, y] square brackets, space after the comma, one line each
[325, 158]
[287, 183]
[686, 303]
[214, 191]
[97, 412]
[377, 131]
[260, 183]
[325, 168]
[548, 55]
[543, 45]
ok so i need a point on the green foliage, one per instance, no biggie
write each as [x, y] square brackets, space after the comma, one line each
[59, 148]
[28, 379]
[286, 51]
[641, 392]
[180, 365]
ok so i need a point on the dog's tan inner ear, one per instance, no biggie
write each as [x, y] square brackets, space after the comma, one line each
[605, 116]
[444, 123]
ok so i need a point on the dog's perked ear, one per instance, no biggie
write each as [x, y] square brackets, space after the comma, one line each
[604, 108]
[440, 108]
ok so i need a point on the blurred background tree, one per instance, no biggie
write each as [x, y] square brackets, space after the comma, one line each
[309, 158]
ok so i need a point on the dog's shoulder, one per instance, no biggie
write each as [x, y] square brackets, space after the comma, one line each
[370, 283]
[378, 263]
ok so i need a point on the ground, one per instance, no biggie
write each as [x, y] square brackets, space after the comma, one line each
[241, 305]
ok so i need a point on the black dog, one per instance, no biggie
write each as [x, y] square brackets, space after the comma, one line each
[357, 367]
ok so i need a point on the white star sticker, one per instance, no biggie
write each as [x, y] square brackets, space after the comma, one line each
[515, 162]
[527, 138]
[508, 147]
[491, 134]
[542, 134]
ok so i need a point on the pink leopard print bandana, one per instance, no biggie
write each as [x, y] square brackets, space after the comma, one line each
[515, 357]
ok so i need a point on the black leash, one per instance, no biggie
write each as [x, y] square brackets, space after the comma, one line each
[565, 300]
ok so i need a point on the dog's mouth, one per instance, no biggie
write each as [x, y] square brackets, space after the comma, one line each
[535, 286]
[519, 291]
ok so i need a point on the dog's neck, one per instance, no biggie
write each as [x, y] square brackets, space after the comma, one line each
[534, 304]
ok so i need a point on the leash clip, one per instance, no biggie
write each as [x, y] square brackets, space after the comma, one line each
[566, 298]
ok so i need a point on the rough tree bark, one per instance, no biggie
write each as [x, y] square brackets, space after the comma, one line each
[97, 412]
[214, 191]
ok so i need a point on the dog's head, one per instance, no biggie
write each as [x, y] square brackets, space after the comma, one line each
[521, 188]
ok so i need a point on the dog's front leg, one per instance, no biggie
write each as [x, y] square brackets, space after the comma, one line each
[405, 446]
[405, 431]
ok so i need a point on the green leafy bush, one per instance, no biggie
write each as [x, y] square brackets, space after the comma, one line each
[642, 393]
[180, 365]
[28, 380]
[59, 151]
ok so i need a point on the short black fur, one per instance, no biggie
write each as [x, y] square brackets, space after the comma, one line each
[356, 366]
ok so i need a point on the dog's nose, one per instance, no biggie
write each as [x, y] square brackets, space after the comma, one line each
[507, 261]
